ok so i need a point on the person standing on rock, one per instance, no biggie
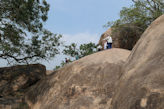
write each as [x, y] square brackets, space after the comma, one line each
[109, 41]
[66, 60]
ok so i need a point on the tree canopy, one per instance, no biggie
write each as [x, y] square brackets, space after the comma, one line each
[22, 35]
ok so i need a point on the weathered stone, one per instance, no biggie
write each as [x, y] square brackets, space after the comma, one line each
[14, 82]
[18, 78]
[87, 83]
[48, 72]
[142, 83]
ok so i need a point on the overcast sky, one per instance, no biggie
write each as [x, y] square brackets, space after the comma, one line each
[80, 21]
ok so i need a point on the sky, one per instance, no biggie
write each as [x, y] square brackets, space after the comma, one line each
[80, 21]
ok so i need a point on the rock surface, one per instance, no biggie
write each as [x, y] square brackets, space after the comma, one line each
[48, 72]
[142, 83]
[17, 78]
[14, 81]
[87, 83]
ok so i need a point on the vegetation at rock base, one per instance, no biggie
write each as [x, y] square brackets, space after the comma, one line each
[134, 20]
[23, 38]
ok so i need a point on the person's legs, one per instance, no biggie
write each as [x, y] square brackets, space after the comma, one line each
[107, 45]
[110, 45]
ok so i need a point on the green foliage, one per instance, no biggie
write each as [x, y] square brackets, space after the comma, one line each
[152, 8]
[87, 49]
[71, 50]
[142, 13]
[22, 35]
[56, 67]
[81, 51]
[134, 20]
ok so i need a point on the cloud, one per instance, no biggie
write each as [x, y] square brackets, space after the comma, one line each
[80, 38]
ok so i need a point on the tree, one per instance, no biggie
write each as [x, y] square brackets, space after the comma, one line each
[83, 50]
[22, 35]
[71, 50]
[143, 12]
[87, 49]
[154, 8]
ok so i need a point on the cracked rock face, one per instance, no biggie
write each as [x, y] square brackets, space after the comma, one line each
[87, 83]
[142, 83]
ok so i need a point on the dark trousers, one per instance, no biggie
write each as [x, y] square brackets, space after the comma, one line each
[109, 45]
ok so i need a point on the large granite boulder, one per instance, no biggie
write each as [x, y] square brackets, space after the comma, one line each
[142, 83]
[15, 81]
[87, 83]
[19, 78]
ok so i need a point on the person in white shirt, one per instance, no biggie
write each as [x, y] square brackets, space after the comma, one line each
[109, 42]
[105, 44]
